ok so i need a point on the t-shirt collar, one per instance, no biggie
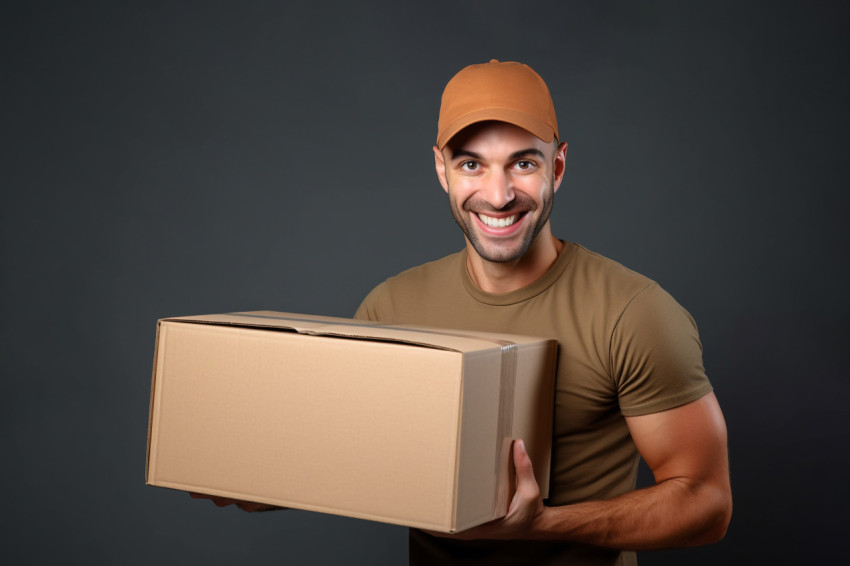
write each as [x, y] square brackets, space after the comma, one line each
[523, 294]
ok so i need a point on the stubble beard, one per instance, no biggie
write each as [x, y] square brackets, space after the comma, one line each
[495, 253]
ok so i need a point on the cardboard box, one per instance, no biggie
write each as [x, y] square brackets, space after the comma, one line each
[409, 425]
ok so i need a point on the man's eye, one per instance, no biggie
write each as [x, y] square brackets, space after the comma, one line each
[524, 164]
[469, 165]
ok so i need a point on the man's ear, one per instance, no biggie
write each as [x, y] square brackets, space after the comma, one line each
[440, 166]
[559, 164]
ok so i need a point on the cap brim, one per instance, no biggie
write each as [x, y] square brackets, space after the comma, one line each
[538, 128]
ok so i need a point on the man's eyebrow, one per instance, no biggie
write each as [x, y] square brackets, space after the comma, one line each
[529, 151]
[460, 152]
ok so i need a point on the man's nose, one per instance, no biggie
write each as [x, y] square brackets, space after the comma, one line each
[499, 189]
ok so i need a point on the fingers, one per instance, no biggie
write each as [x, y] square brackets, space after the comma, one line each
[253, 507]
[219, 501]
[249, 506]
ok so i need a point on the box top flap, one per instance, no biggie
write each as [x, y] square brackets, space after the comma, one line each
[455, 340]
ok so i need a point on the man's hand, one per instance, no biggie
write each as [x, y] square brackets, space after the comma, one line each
[525, 510]
[249, 506]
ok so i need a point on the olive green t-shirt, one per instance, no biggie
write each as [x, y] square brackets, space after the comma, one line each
[626, 348]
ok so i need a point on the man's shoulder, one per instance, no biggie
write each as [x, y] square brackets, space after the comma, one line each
[405, 291]
[596, 269]
[437, 272]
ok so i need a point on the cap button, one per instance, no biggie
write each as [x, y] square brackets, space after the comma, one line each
[494, 60]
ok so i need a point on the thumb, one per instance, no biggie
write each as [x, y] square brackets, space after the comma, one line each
[524, 471]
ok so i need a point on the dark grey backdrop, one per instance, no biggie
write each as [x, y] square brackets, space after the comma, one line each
[162, 159]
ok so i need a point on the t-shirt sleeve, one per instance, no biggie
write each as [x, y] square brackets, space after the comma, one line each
[656, 355]
[368, 309]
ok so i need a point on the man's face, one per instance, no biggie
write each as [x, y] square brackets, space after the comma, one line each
[501, 182]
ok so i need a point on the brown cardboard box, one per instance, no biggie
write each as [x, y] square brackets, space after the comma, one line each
[409, 425]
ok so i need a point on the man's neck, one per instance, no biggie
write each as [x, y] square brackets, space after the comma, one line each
[506, 277]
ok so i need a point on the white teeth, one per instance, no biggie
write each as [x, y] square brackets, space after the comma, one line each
[497, 222]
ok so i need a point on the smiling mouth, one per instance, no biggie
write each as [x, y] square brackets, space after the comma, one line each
[497, 222]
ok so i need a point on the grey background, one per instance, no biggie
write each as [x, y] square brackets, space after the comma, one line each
[161, 159]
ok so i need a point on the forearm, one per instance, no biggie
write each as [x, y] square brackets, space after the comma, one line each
[673, 513]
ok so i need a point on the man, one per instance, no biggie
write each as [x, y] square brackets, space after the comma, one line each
[630, 378]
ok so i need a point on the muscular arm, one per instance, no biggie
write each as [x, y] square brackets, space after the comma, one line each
[690, 504]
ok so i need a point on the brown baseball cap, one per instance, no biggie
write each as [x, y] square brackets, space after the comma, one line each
[506, 91]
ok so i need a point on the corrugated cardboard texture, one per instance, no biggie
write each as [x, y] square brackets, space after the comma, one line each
[371, 428]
